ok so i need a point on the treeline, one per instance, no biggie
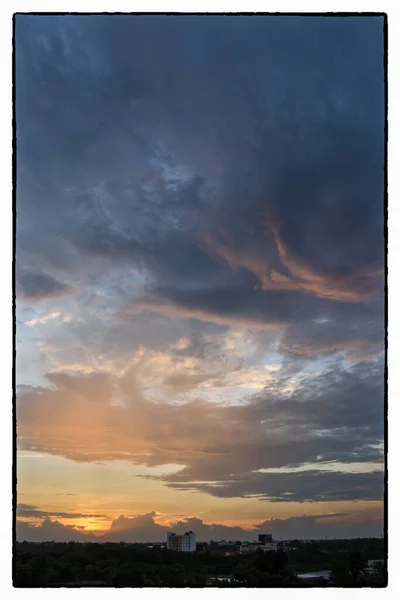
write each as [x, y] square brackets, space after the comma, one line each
[320, 555]
[136, 565]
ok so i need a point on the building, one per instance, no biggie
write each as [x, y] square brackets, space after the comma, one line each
[270, 547]
[181, 543]
[265, 547]
[374, 565]
[201, 547]
[253, 546]
[265, 537]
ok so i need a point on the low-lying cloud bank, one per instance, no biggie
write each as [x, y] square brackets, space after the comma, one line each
[143, 528]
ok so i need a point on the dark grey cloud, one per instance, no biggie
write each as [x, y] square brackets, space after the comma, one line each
[324, 526]
[33, 286]
[304, 486]
[29, 510]
[238, 302]
[48, 530]
[212, 168]
[360, 336]
[348, 399]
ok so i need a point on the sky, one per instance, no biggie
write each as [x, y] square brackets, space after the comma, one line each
[199, 277]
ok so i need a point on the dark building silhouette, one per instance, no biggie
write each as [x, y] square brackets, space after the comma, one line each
[264, 537]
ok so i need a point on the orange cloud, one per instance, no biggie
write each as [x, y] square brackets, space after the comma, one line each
[99, 417]
[301, 275]
[209, 316]
[76, 418]
[247, 258]
[354, 288]
[356, 349]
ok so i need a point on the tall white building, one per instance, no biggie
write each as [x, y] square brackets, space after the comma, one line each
[181, 543]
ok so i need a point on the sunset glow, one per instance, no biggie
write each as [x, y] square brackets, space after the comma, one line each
[199, 277]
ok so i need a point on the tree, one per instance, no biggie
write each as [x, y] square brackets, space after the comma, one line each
[23, 574]
[172, 576]
[356, 564]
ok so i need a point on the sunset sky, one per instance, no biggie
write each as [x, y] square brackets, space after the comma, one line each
[199, 276]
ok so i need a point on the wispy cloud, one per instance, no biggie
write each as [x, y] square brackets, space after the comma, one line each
[49, 317]
[30, 511]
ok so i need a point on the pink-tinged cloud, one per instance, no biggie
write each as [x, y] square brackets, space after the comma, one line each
[298, 276]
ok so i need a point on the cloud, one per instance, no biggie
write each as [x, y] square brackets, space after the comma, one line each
[336, 416]
[227, 194]
[359, 338]
[139, 528]
[29, 510]
[48, 530]
[305, 486]
[50, 317]
[34, 285]
[261, 178]
[294, 275]
[143, 528]
[308, 326]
